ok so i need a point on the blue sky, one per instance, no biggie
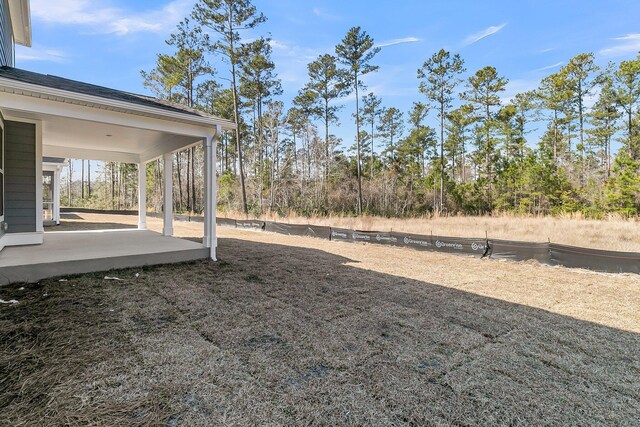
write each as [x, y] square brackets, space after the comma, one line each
[108, 42]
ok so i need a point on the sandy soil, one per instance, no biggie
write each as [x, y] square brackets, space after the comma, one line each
[300, 331]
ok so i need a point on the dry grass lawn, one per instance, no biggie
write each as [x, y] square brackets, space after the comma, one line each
[300, 331]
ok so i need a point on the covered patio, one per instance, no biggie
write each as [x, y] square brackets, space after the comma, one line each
[78, 120]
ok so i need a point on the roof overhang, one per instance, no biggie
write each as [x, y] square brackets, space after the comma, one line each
[20, 14]
[88, 127]
[44, 92]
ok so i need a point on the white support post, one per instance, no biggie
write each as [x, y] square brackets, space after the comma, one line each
[210, 236]
[206, 239]
[142, 196]
[56, 196]
[39, 201]
[214, 193]
[167, 229]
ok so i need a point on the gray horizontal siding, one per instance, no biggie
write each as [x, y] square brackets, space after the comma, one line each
[22, 157]
[6, 35]
[20, 176]
[24, 204]
[24, 131]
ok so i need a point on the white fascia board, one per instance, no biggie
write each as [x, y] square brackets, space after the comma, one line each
[28, 89]
[20, 14]
[30, 104]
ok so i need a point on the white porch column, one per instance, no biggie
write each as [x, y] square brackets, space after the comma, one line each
[56, 196]
[210, 239]
[142, 196]
[206, 239]
[167, 229]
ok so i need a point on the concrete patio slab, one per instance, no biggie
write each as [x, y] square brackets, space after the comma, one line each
[76, 252]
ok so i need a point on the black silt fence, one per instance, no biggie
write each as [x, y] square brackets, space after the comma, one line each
[274, 227]
[476, 247]
[341, 234]
[383, 238]
[99, 211]
[520, 251]
[414, 241]
[188, 218]
[546, 253]
[460, 245]
[250, 224]
[319, 231]
[226, 222]
[594, 259]
[298, 229]
[352, 236]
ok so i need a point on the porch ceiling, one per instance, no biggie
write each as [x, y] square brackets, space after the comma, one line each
[87, 139]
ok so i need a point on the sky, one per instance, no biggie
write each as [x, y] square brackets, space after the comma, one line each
[108, 42]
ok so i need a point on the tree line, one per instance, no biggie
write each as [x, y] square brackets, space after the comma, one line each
[479, 157]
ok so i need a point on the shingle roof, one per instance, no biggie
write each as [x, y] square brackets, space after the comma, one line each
[60, 83]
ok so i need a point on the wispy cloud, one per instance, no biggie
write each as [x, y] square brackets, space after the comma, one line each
[550, 67]
[277, 44]
[320, 13]
[292, 60]
[100, 17]
[39, 53]
[548, 49]
[473, 38]
[398, 41]
[629, 43]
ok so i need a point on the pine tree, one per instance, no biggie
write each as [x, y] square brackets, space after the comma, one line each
[483, 89]
[603, 117]
[623, 187]
[227, 18]
[458, 123]
[390, 129]
[356, 52]
[258, 85]
[554, 96]
[579, 74]
[440, 76]
[370, 112]
[326, 84]
[627, 79]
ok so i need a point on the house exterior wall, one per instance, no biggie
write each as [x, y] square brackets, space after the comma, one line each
[2, 207]
[20, 177]
[6, 36]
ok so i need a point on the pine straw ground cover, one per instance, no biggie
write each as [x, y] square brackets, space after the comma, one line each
[299, 331]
